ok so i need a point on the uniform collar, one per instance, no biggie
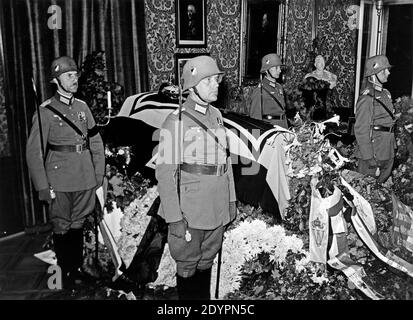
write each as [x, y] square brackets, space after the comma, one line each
[65, 99]
[375, 86]
[197, 107]
[271, 82]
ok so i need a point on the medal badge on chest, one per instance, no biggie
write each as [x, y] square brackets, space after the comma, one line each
[81, 116]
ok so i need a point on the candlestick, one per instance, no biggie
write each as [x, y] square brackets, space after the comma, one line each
[109, 94]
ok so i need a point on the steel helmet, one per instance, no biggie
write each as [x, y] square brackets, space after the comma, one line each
[270, 60]
[376, 64]
[61, 65]
[198, 68]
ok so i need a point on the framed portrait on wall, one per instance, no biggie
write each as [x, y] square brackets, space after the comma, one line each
[180, 60]
[191, 23]
[261, 33]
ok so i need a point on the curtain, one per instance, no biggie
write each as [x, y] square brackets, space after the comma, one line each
[37, 31]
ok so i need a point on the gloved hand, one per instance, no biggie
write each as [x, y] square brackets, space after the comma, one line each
[178, 228]
[232, 211]
[99, 181]
[372, 163]
[44, 195]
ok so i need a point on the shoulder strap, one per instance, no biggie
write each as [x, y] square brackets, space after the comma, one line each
[383, 105]
[274, 98]
[70, 123]
[203, 126]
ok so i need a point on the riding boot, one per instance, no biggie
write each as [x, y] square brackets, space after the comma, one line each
[204, 284]
[77, 274]
[187, 287]
[63, 256]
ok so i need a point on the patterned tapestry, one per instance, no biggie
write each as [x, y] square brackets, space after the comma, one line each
[338, 46]
[299, 42]
[335, 41]
[4, 141]
[223, 39]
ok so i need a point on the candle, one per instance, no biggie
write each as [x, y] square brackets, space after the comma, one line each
[109, 100]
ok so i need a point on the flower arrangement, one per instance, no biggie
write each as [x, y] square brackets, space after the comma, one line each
[309, 154]
[244, 243]
[295, 278]
[123, 187]
[133, 224]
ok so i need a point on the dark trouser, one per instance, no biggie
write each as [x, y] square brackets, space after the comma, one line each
[67, 214]
[194, 260]
[385, 166]
[69, 209]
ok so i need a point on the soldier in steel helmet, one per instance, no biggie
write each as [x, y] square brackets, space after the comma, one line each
[72, 169]
[195, 179]
[375, 120]
[267, 100]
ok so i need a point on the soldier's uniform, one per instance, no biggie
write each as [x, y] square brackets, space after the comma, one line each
[73, 166]
[68, 171]
[267, 101]
[206, 190]
[374, 131]
[272, 111]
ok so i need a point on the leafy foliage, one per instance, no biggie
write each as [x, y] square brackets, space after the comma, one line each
[123, 187]
[93, 87]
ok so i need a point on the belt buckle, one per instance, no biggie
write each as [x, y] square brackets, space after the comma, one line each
[79, 148]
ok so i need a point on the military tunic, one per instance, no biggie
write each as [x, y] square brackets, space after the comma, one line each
[270, 108]
[204, 198]
[65, 172]
[374, 130]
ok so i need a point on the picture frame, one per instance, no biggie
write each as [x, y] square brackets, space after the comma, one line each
[191, 23]
[180, 60]
[262, 28]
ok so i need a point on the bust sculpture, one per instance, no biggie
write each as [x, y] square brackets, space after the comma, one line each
[320, 74]
[315, 88]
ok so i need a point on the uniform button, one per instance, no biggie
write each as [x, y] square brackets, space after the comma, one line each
[55, 167]
[60, 124]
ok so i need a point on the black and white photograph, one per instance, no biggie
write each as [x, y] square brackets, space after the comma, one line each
[232, 177]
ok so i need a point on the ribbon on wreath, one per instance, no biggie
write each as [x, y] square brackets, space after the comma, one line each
[327, 214]
[402, 229]
[361, 218]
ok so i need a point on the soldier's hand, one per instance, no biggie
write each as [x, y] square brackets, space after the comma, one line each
[372, 163]
[44, 195]
[178, 228]
[232, 211]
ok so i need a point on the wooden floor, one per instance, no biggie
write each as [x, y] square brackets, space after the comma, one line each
[23, 276]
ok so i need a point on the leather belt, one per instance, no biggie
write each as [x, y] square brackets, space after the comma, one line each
[383, 128]
[274, 116]
[211, 170]
[69, 148]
